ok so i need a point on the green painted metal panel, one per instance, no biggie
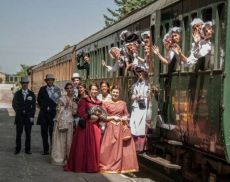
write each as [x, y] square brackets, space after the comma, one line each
[226, 94]
[155, 79]
[193, 104]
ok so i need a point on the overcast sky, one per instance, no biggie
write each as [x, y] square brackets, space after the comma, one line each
[33, 30]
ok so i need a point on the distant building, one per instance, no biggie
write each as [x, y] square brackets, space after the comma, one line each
[2, 77]
[12, 78]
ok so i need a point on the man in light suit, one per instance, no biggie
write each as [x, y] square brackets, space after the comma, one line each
[24, 104]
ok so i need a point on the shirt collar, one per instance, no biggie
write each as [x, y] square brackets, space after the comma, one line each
[24, 91]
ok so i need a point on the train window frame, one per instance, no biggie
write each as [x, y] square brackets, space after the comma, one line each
[222, 20]
[103, 58]
[106, 60]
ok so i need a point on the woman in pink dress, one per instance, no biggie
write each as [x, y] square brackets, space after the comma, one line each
[118, 154]
[85, 149]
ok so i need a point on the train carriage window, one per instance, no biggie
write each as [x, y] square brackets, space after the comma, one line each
[194, 15]
[95, 59]
[186, 38]
[97, 67]
[152, 33]
[107, 60]
[162, 32]
[221, 12]
[166, 27]
[176, 23]
[118, 44]
[207, 62]
[103, 58]
[207, 14]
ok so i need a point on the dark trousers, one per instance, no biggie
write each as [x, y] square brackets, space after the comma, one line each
[19, 130]
[47, 131]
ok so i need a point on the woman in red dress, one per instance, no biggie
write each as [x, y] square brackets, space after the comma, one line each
[118, 153]
[85, 149]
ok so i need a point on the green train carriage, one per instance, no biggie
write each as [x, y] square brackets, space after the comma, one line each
[198, 101]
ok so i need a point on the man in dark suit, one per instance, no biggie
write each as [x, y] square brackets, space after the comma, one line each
[47, 100]
[24, 104]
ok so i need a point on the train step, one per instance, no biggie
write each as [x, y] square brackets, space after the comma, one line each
[174, 142]
[161, 161]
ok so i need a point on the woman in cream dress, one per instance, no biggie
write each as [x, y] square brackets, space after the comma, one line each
[63, 128]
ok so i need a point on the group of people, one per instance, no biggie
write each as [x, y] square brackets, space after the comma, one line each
[128, 55]
[90, 132]
[202, 33]
[82, 130]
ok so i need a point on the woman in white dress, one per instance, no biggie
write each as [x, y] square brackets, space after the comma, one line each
[63, 127]
[104, 95]
[141, 105]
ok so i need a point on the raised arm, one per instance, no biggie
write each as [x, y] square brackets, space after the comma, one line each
[158, 54]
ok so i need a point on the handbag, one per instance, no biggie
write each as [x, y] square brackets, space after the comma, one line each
[62, 126]
[126, 132]
[141, 104]
[82, 123]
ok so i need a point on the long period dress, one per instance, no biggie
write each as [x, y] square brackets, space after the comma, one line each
[62, 139]
[85, 149]
[117, 155]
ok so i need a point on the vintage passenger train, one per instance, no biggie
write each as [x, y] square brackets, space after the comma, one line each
[198, 102]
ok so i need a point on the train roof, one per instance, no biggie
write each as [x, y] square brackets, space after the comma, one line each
[55, 57]
[126, 21]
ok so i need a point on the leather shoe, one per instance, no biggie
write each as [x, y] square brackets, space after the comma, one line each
[16, 152]
[28, 152]
[45, 153]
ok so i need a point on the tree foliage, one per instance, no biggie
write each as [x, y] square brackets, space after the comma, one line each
[66, 47]
[23, 72]
[124, 8]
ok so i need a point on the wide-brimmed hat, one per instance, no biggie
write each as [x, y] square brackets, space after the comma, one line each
[76, 75]
[132, 37]
[49, 77]
[124, 34]
[25, 79]
[141, 68]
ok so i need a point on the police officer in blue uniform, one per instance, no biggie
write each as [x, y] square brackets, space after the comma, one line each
[24, 104]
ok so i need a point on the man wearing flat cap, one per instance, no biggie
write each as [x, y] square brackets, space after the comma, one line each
[47, 100]
[24, 104]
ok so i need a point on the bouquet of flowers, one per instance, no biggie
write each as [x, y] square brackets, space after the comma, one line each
[98, 111]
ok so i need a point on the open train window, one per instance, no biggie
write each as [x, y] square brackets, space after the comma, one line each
[194, 15]
[118, 44]
[207, 14]
[186, 32]
[152, 33]
[166, 27]
[176, 23]
[221, 12]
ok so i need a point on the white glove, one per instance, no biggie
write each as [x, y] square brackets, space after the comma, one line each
[116, 118]
[31, 120]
